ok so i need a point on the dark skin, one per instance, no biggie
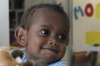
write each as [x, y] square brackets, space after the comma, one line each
[47, 38]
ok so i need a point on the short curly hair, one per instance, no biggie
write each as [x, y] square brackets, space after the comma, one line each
[28, 15]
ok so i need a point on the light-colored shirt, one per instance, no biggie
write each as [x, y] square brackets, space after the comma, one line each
[0, 64]
[59, 63]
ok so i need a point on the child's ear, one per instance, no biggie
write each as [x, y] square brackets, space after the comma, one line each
[21, 35]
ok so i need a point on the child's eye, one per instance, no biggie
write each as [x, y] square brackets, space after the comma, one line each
[44, 32]
[62, 37]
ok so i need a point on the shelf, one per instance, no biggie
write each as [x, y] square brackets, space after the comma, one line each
[16, 9]
[12, 29]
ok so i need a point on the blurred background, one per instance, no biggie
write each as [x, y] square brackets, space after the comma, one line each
[83, 49]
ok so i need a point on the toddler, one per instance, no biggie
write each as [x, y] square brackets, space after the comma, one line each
[44, 32]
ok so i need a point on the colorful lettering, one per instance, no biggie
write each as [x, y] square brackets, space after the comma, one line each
[98, 11]
[89, 10]
[78, 10]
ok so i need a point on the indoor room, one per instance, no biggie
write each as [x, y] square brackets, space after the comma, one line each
[83, 47]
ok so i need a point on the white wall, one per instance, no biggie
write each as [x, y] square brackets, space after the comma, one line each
[85, 24]
[4, 23]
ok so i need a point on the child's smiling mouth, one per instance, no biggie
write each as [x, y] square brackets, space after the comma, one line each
[51, 49]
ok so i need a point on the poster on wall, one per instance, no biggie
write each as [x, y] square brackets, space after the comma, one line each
[86, 25]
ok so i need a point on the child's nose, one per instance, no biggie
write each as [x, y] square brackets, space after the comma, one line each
[53, 42]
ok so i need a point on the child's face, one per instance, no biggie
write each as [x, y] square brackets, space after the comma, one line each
[47, 38]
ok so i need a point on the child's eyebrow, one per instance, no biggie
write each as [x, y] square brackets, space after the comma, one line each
[50, 27]
[47, 26]
[64, 31]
